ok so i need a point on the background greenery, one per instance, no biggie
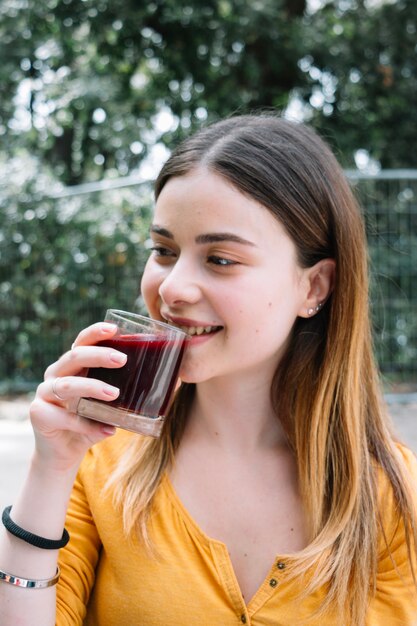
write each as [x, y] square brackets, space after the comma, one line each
[88, 88]
[82, 81]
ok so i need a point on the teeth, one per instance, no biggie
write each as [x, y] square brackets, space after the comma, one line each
[194, 330]
[198, 330]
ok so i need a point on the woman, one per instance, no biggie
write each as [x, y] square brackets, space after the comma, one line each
[277, 493]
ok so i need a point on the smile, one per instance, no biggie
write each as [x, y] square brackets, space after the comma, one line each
[199, 330]
[193, 331]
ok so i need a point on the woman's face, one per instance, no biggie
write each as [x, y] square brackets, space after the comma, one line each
[223, 269]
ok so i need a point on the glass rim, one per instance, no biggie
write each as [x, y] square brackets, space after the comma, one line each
[143, 318]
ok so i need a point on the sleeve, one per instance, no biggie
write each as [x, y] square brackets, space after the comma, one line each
[395, 602]
[79, 558]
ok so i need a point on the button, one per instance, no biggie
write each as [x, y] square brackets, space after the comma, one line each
[243, 618]
[273, 582]
[281, 565]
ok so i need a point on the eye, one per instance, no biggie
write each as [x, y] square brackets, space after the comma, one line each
[218, 260]
[161, 251]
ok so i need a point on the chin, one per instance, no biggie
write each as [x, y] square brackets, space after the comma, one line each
[192, 375]
[190, 378]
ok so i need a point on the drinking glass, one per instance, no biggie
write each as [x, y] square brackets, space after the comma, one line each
[147, 381]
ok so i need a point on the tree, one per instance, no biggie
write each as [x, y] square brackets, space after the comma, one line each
[88, 86]
[362, 74]
[83, 81]
[62, 264]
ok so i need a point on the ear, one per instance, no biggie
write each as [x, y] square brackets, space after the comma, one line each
[319, 285]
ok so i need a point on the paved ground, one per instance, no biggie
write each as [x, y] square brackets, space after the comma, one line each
[16, 439]
[16, 442]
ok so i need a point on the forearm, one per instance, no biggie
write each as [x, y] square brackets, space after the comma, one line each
[62, 439]
[40, 509]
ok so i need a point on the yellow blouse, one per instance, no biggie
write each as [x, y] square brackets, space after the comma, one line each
[107, 580]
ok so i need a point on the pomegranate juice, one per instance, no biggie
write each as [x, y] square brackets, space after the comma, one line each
[148, 378]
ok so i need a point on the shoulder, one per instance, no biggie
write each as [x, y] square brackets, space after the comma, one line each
[407, 461]
[102, 458]
[391, 523]
[410, 461]
[395, 599]
[410, 458]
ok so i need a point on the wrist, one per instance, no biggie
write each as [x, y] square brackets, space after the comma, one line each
[31, 538]
[50, 469]
[41, 506]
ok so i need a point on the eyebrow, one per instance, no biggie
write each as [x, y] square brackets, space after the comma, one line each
[206, 238]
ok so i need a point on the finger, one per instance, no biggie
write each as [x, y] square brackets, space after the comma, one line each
[70, 389]
[94, 333]
[82, 357]
[55, 391]
[48, 420]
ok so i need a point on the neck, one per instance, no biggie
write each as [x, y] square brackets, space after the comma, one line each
[235, 414]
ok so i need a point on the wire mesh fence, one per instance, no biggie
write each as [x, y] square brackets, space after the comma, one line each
[389, 201]
[67, 256]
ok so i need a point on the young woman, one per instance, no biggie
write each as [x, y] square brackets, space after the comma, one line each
[277, 493]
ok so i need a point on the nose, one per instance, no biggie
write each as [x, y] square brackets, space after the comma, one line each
[181, 285]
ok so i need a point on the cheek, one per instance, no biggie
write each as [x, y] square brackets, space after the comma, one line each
[271, 314]
[149, 287]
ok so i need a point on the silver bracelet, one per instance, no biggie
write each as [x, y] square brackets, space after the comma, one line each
[26, 583]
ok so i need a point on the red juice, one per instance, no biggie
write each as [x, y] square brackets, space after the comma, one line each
[148, 378]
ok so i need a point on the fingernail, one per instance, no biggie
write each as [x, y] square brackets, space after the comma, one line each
[118, 357]
[111, 391]
[108, 328]
[108, 430]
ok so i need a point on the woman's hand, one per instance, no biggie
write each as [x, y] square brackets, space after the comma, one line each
[62, 437]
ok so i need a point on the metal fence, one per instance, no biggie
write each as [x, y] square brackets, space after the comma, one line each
[389, 201]
[67, 256]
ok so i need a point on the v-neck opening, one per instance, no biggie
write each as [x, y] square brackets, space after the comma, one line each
[222, 558]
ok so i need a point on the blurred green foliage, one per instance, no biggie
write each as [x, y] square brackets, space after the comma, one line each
[84, 83]
[88, 87]
[92, 76]
[362, 72]
[62, 264]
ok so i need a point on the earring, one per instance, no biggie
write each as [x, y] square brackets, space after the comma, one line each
[316, 309]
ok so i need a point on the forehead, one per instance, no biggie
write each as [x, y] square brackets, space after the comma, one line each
[203, 199]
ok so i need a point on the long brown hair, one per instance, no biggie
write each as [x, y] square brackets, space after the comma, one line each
[326, 389]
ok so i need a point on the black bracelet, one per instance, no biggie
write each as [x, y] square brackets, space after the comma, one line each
[33, 540]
